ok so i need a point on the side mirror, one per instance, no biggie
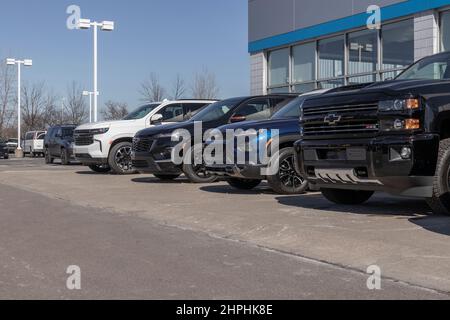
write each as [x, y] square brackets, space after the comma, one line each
[156, 118]
[237, 118]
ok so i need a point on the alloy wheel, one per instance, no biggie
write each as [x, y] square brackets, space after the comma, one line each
[288, 175]
[123, 159]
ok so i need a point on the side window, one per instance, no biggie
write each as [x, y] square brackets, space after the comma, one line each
[52, 134]
[279, 103]
[258, 109]
[192, 109]
[41, 136]
[29, 136]
[173, 113]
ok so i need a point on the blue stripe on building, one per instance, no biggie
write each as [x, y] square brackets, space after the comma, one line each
[356, 21]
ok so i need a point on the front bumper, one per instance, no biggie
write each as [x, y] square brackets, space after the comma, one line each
[151, 163]
[371, 164]
[91, 155]
[238, 171]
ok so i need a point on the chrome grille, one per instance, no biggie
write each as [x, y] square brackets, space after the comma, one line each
[83, 138]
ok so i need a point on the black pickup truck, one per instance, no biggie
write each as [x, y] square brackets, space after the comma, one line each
[391, 136]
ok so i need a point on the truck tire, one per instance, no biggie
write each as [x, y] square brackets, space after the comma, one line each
[64, 157]
[440, 201]
[287, 180]
[100, 168]
[347, 197]
[166, 177]
[120, 159]
[48, 158]
[243, 184]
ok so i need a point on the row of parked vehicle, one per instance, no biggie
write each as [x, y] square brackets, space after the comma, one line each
[349, 142]
[142, 141]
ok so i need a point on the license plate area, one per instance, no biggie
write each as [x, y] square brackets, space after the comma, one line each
[342, 154]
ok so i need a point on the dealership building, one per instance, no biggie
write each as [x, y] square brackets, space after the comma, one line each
[302, 45]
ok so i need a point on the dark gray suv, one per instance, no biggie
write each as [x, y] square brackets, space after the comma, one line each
[58, 144]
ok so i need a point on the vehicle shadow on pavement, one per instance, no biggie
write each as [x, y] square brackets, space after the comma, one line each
[92, 173]
[436, 224]
[158, 181]
[230, 190]
[382, 205]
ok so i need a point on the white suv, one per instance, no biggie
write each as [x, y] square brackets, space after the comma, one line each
[106, 146]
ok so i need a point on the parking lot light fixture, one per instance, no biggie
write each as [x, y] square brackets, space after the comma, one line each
[19, 63]
[105, 26]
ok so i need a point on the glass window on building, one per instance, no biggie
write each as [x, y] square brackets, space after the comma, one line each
[331, 84]
[331, 57]
[304, 61]
[279, 67]
[445, 31]
[304, 88]
[398, 44]
[363, 52]
[279, 90]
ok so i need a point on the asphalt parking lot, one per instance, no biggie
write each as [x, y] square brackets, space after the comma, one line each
[137, 237]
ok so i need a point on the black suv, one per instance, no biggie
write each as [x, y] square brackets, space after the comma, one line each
[4, 151]
[391, 136]
[58, 144]
[152, 148]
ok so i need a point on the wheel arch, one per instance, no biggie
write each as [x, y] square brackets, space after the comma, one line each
[120, 140]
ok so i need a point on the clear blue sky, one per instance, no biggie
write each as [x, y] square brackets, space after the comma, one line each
[161, 36]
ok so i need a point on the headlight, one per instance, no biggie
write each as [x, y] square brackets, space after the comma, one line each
[99, 131]
[398, 105]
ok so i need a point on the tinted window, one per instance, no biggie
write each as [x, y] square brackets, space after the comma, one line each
[192, 109]
[141, 112]
[255, 110]
[172, 113]
[216, 110]
[41, 136]
[29, 136]
[291, 110]
[433, 68]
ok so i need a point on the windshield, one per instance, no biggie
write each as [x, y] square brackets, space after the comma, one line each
[216, 110]
[291, 110]
[67, 132]
[433, 68]
[141, 112]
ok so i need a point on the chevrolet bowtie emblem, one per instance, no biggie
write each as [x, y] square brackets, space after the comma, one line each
[332, 119]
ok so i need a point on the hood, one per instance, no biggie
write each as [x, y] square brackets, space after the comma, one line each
[264, 124]
[168, 128]
[392, 87]
[106, 124]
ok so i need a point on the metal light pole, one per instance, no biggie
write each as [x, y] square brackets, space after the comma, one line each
[90, 94]
[105, 26]
[27, 63]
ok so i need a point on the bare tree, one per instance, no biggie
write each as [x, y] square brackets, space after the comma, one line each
[6, 98]
[114, 111]
[178, 88]
[75, 105]
[33, 106]
[205, 85]
[152, 90]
